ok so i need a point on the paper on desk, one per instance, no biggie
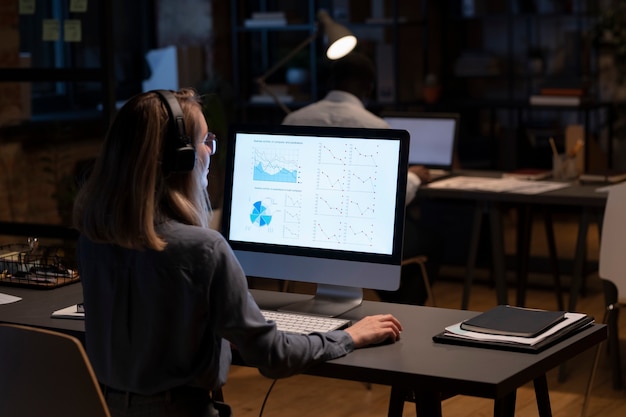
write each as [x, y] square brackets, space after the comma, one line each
[70, 312]
[536, 187]
[570, 318]
[606, 188]
[7, 299]
[498, 185]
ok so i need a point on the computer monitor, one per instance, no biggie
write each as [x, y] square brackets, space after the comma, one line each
[322, 205]
[433, 137]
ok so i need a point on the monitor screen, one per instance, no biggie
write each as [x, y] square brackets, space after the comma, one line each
[318, 204]
[433, 137]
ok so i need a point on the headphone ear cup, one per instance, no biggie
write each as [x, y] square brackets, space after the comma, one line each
[178, 154]
[182, 159]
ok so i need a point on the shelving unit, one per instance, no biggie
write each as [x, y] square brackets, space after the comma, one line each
[54, 71]
[56, 75]
[255, 49]
[382, 28]
[489, 58]
[498, 54]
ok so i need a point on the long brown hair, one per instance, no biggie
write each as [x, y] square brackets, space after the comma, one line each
[127, 193]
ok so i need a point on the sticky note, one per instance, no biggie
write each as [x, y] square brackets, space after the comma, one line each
[26, 7]
[72, 30]
[51, 30]
[78, 6]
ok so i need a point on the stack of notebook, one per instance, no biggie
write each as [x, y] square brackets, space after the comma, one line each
[514, 328]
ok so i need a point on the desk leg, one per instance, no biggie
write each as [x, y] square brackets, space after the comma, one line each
[554, 259]
[396, 401]
[505, 407]
[427, 404]
[471, 257]
[578, 273]
[497, 248]
[524, 232]
[579, 260]
[542, 395]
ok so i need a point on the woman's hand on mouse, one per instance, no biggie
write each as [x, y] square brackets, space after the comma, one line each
[376, 329]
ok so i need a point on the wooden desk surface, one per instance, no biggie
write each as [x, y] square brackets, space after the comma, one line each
[415, 361]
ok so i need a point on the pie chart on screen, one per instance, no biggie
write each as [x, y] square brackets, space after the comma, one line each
[260, 214]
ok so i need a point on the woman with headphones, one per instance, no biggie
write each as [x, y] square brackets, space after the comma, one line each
[165, 298]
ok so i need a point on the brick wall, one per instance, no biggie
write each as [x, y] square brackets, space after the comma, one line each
[13, 107]
[37, 179]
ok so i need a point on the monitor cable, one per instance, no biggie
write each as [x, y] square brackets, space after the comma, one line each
[266, 397]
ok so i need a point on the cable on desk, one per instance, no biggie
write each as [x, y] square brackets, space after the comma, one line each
[266, 397]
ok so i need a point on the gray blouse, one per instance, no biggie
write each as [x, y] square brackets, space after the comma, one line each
[157, 320]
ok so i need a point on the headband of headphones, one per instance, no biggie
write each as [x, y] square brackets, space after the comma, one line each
[178, 154]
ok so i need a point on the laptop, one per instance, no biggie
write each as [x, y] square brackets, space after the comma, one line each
[433, 139]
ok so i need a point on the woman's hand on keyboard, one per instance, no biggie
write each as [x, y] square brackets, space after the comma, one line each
[373, 330]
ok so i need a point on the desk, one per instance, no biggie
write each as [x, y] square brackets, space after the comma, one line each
[36, 305]
[414, 365]
[574, 195]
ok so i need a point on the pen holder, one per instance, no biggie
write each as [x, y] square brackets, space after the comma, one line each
[564, 167]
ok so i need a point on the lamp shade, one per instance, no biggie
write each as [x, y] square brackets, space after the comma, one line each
[340, 40]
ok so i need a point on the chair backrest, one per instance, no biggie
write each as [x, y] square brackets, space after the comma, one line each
[45, 373]
[612, 260]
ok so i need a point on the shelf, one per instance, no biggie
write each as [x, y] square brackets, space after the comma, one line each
[38, 230]
[276, 28]
[51, 74]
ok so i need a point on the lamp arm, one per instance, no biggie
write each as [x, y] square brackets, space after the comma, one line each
[287, 58]
[261, 80]
[264, 89]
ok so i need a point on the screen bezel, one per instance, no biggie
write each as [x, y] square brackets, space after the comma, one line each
[402, 136]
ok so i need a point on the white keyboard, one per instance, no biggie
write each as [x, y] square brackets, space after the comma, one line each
[303, 323]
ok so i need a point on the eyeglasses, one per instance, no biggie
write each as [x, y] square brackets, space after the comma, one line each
[211, 141]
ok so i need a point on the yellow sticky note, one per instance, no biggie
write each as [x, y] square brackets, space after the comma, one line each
[78, 6]
[26, 7]
[51, 30]
[72, 30]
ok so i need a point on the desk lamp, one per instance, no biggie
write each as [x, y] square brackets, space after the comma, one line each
[340, 42]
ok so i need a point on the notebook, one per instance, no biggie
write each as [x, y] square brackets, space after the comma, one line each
[513, 321]
[574, 323]
[433, 139]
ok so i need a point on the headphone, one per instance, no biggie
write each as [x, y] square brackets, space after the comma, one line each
[178, 154]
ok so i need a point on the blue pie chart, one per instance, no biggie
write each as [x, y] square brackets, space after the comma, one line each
[260, 215]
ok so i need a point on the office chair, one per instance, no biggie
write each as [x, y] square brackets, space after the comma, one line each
[46, 373]
[613, 274]
[421, 261]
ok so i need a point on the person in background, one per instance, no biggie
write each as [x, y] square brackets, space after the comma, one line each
[351, 84]
[165, 297]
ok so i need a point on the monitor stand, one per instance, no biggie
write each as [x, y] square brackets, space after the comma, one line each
[329, 301]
